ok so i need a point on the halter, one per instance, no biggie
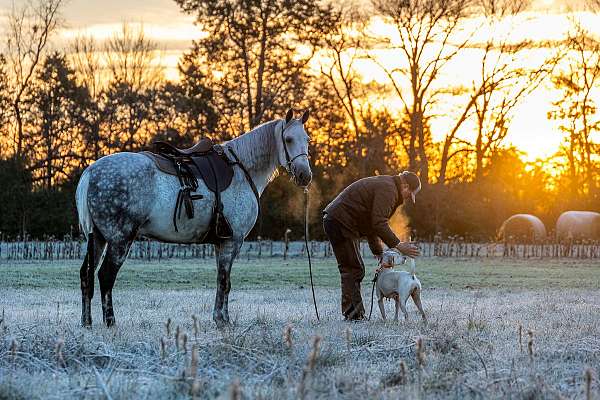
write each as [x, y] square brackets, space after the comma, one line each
[288, 160]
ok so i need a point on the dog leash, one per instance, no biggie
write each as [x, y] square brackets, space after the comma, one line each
[373, 292]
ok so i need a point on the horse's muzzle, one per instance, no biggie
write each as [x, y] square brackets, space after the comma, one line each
[303, 179]
[302, 174]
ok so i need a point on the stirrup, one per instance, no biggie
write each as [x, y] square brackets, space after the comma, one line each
[222, 228]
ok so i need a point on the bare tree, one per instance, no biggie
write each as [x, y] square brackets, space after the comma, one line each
[578, 111]
[5, 104]
[134, 78]
[342, 47]
[258, 53]
[87, 60]
[53, 106]
[133, 59]
[86, 57]
[502, 83]
[29, 29]
[428, 40]
[362, 140]
[594, 5]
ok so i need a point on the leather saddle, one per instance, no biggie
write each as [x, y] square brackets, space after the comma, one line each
[206, 161]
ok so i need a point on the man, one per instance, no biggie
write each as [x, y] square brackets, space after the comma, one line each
[364, 209]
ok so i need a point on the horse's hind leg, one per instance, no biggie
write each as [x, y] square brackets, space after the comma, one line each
[226, 252]
[115, 256]
[95, 248]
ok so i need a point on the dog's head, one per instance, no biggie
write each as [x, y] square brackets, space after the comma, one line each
[390, 258]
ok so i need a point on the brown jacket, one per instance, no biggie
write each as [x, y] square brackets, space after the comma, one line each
[365, 207]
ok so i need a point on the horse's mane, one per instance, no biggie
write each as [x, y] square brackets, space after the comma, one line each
[258, 147]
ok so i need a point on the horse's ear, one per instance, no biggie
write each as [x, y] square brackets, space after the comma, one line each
[289, 116]
[305, 116]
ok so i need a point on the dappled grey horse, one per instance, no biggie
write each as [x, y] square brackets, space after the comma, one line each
[124, 195]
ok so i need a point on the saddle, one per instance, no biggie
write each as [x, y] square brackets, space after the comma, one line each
[206, 161]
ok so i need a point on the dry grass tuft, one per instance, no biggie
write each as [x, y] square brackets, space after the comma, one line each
[310, 365]
[193, 371]
[403, 378]
[195, 325]
[588, 377]
[168, 327]
[184, 340]
[177, 337]
[13, 350]
[348, 334]
[520, 333]
[420, 352]
[235, 390]
[195, 390]
[530, 344]
[287, 336]
[163, 348]
[60, 361]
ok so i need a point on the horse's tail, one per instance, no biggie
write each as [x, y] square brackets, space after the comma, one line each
[86, 225]
[412, 267]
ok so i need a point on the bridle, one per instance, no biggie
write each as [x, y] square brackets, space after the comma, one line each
[288, 160]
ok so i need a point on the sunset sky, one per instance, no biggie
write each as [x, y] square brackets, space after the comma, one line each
[173, 30]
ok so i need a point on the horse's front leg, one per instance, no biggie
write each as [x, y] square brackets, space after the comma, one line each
[226, 252]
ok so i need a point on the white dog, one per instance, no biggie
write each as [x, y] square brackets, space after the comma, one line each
[398, 285]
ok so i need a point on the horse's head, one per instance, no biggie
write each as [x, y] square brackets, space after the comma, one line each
[292, 146]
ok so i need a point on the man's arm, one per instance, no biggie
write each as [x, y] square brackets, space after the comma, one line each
[383, 205]
[375, 245]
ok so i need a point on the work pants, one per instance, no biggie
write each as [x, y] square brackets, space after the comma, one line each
[350, 264]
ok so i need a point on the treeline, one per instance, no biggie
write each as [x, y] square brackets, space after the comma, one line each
[62, 109]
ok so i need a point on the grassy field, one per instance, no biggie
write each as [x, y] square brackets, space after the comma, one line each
[270, 273]
[470, 346]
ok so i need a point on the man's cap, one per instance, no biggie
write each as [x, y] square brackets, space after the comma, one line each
[413, 182]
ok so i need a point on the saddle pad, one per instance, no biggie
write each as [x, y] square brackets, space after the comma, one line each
[201, 168]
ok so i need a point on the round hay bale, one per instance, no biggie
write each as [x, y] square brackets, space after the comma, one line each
[522, 228]
[578, 225]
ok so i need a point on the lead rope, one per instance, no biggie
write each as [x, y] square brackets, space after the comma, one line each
[372, 292]
[312, 286]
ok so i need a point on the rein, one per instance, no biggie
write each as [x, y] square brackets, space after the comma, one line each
[248, 177]
[288, 164]
[312, 286]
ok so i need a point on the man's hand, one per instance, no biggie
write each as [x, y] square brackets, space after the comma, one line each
[408, 249]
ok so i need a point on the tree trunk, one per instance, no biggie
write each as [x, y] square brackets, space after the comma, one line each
[423, 160]
[19, 152]
[479, 156]
[572, 172]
